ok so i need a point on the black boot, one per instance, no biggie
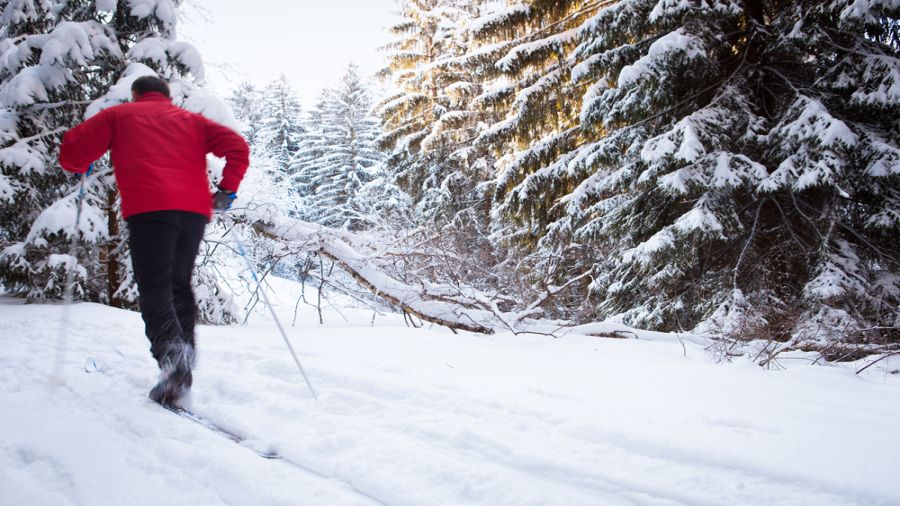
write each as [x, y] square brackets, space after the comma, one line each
[175, 376]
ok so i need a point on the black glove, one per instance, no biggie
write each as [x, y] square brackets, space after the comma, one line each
[222, 200]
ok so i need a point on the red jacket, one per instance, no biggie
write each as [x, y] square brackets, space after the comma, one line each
[158, 154]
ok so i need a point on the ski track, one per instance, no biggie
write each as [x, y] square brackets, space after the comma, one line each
[412, 417]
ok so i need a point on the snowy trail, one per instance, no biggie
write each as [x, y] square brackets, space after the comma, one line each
[412, 416]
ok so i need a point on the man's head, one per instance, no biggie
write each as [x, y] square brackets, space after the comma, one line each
[146, 84]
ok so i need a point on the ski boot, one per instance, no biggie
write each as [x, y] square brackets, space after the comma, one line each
[175, 376]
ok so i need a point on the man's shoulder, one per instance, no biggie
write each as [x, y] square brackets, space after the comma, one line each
[123, 108]
[146, 105]
[147, 108]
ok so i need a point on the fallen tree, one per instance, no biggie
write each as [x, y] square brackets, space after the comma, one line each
[455, 307]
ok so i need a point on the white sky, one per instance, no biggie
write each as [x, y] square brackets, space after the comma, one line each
[310, 41]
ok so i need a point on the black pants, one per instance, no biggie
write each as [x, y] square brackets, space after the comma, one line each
[164, 245]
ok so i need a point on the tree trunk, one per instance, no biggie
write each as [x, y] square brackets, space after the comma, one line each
[108, 255]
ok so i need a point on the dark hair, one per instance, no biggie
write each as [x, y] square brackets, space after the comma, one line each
[147, 84]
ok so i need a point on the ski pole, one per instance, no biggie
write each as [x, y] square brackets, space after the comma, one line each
[260, 289]
[69, 291]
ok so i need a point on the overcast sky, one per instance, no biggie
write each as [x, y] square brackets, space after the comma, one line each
[310, 41]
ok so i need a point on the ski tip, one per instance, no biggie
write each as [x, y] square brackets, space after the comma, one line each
[262, 449]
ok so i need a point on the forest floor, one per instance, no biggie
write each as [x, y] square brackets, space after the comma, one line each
[421, 416]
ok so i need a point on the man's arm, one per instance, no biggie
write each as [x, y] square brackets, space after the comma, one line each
[84, 144]
[228, 144]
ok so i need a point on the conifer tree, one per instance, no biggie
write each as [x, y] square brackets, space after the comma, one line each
[279, 129]
[246, 103]
[749, 164]
[522, 56]
[429, 121]
[702, 159]
[63, 61]
[345, 158]
[254, 110]
[307, 160]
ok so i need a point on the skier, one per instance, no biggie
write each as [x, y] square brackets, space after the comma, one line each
[158, 153]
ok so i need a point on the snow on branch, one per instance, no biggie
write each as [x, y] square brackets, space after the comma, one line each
[659, 54]
[512, 14]
[819, 141]
[57, 219]
[520, 55]
[165, 10]
[34, 84]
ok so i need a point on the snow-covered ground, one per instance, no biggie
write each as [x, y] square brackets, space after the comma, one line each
[425, 417]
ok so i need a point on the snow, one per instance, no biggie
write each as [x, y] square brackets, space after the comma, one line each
[838, 274]
[68, 44]
[163, 9]
[107, 5]
[676, 41]
[7, 188]
[699, 218]
[882, 75]
[19, 11]
[514, 58]
[669, 7]
[77, 42]
[190, 57]
[59, 218]
[662, 240]
[866, 9]
[203, 102]
[421, 416]
[23, 156]
[33, 84]
[67, 262]
[886, 218]
[815, 121]
[152, 49]
[584, 69]
[159, 50]
[820, 141]
[515, 10]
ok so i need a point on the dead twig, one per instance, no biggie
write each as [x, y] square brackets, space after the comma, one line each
[870, 364]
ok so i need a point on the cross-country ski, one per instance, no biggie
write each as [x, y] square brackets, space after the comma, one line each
[227, 434]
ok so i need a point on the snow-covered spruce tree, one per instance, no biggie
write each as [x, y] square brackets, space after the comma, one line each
[55, 62]
[431, 126]
[339, 157]
[35, 98]
[522, 55]
[63, 61]
[748, 170]
[265, 185]
[308, 159]
[279, 130]
[246, 103]
[429, 122]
